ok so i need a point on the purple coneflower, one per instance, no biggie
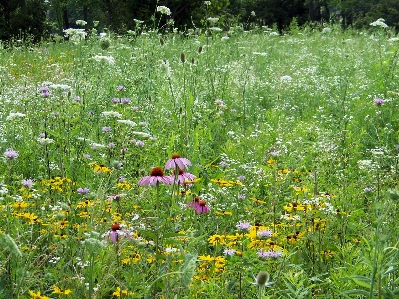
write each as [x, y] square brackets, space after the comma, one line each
[10, 154]
[177, 161]
[116, 232]
[199, 206]
[181, 177]
[115, 100]
[156, 176]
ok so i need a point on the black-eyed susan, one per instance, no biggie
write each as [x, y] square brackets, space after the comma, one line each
[59, 291]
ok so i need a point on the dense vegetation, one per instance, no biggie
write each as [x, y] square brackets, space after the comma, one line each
[35, 19]
[201, 164]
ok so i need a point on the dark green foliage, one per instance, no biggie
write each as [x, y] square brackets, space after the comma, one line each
[22, 18]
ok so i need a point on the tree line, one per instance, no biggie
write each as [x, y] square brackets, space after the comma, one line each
[42, 18]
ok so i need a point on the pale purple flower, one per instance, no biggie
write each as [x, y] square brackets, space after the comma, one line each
[42, 135]
[87, 156]
[27, 183]
[140, 143]
[106, 129]
[241, 196]
[177, 162]
[135, 108]
[125, 100]
[269, 254]
[121, 179]
[182, 177]
[156, 176]
[45, 94]
[111, 144]
[115, 100]
[242, 225]
[121, 88]
[10, 154]
[229, 252]
[379, 102]
[224, 164]
[77, 99]
[241, 178]
[83, 191]
[265, 233]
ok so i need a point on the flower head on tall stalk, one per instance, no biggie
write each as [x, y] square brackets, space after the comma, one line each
[181, 177]
[177, 162]
[199, 206]
[156, 176]
[116, 232]
[10, 154]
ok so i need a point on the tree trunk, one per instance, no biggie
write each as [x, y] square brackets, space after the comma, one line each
[85, 13]
[109, 13]
[65, 17]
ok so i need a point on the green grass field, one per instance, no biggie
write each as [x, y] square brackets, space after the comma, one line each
[291, 164]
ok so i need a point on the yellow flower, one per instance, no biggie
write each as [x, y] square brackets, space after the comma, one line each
[217, 240]
[37, 295]
[58, 291]
[100, 168]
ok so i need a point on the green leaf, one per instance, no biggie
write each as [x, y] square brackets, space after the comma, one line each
[362, 281]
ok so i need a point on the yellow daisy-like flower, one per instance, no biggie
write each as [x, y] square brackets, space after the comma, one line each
[37, 295]
[217, 240]
[100, 168]
[58, 291]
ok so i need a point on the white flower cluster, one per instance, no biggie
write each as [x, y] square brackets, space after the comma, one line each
[75, 35]
[101, 58]
[13, 115]
[379, 23]
[111, 114]
[81, 22]
[164, 10]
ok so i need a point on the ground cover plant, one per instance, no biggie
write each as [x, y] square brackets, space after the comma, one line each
[203, 164]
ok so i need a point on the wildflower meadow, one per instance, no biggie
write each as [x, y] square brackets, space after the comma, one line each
[208, 163]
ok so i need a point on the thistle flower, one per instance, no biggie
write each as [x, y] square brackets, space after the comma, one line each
[262, 279]
[156, 176]
[177, 161]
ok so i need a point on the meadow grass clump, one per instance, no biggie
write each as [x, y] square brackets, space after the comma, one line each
[163, 166]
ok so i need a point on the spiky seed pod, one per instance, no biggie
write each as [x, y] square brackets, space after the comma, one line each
[182, 57]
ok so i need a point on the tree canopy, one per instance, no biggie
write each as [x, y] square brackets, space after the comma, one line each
[39, 18]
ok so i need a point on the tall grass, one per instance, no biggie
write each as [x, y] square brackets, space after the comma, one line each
[294, 157]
